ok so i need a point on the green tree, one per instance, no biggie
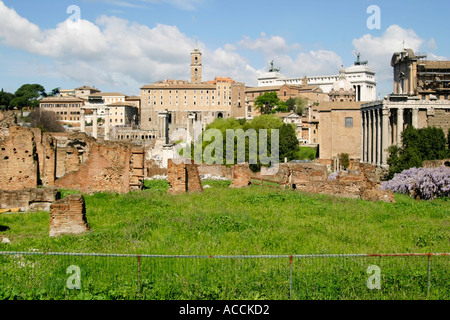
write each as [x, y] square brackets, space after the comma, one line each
[290, 103]
[300, 105]
[417, 145]
[28, 95]
[344, 160]
[267, 103]
[448, 141]
[54, 92]
[289, 144]
[5, 100]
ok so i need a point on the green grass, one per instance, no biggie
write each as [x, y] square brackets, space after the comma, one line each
[249, 221]
[308, 153]
[241, 221]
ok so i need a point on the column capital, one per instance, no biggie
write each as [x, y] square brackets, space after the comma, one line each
[386, 112]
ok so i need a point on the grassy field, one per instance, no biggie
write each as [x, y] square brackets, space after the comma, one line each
[250, 221]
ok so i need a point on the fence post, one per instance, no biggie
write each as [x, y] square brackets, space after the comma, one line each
[290, 276]
[139, 273]
[429, 275]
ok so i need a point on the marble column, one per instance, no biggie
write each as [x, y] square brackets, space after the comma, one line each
[107, 124]
[83, 120]
[400, 124]
[415, 118]
[363, 133]
[386, 143]
[379, 137]
[370, 138]
[94, 124]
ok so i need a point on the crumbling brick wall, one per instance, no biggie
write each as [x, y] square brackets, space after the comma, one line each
[18, 160]
[109, 168]
[241, 176]
[68, 216]
[46, 155]
[183, 178]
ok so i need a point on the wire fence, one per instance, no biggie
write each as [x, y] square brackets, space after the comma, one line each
[58, 276]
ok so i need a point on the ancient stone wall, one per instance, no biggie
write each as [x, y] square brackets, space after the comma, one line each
[18, 160]
[216, 170]
[110, 167]
[183, 178]
[46, 155]
[441, 119]
[241, 176]
[436, 163]
[194, 183]
[38, 199]
[68, 216]
[153, 170]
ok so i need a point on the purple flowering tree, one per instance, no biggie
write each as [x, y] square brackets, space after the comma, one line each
[423, 183]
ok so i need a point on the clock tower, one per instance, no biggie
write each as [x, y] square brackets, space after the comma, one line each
[196, 67]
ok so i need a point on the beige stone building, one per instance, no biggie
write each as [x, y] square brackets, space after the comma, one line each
[85, 91]
[184, 102]
[339, 129]
[67, 109]
[420, 99]
[285, 92]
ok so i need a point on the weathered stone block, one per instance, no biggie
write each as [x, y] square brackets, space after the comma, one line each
[38, 199]
[68, 216]
[241, 176]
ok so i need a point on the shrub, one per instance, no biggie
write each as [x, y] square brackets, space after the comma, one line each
[344, 159]
[423, 183]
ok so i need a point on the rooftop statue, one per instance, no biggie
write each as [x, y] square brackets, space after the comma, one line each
[272, 68]
[358, 60]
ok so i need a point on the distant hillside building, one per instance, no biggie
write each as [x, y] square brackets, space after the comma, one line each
[67, 109]
[184, 102]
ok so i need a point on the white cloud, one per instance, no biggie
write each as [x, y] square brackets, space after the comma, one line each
[379, 50]
[290, 58]
[114, 52]
[268, 46]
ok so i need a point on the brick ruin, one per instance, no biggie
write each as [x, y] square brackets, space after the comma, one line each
[110, 167]
[241, 176]
[30, 158]
[361, 183]
[183, 178]
[68, 216]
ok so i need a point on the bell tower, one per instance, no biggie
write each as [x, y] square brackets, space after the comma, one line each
[196, 67]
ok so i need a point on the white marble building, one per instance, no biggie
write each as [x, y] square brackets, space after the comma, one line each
[359, 75]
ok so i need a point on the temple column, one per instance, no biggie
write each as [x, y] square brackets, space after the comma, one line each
[83, 120]
[370, 138]
[415, 118]
[363, 134]
[379, 137]
[400, 124]
[94, 124]
[385, 144]
[107, 132]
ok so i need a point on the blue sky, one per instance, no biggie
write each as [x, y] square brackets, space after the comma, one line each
[120, 45]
